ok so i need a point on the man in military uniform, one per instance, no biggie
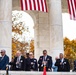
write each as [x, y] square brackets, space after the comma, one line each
[34, 66]
[31, 63]
[45, 60]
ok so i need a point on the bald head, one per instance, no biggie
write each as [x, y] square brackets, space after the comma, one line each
[3, 52]
[18, 53]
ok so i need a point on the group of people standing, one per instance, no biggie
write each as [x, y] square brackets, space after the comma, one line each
[20, 63]
[30, 63]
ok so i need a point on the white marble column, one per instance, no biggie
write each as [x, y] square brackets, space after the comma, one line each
[6, 25]
[56, 29]
[42, 34]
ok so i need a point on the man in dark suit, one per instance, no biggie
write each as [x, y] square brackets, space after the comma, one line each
[62, 64]
[45, 60]
[74, 70]
[19, 63]
[4, 60]
[31, 63]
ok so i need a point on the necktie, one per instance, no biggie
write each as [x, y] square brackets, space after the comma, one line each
[44, 58]
[18, 65]
[18, 59]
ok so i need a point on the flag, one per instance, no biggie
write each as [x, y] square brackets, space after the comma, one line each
[39, 5]
[44, 71]
[72, 9]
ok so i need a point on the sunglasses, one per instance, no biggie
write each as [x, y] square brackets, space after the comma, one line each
[1, 52]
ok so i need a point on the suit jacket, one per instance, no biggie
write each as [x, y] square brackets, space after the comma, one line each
[74, 65]
[48, 65]
[65, 67]
[3, 62]
[22, 63]
[34, 65]
[28, 63]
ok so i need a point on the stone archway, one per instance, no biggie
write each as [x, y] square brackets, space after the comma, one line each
[22, 32]
[41, 29]
[46, 26]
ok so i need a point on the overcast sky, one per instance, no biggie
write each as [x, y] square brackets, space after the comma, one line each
[69, 27]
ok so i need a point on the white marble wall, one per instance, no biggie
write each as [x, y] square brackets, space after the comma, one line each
[6, 25]
[49, 30]
[36, 73]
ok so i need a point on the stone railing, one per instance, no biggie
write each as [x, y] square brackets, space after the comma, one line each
[36, 73]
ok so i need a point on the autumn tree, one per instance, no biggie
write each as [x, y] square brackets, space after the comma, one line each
[70, 50]
[18, 29]
[67, 43]
[73, 45]
[32, 46]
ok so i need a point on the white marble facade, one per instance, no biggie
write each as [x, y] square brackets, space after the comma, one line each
[48, 27]
[6, 26]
